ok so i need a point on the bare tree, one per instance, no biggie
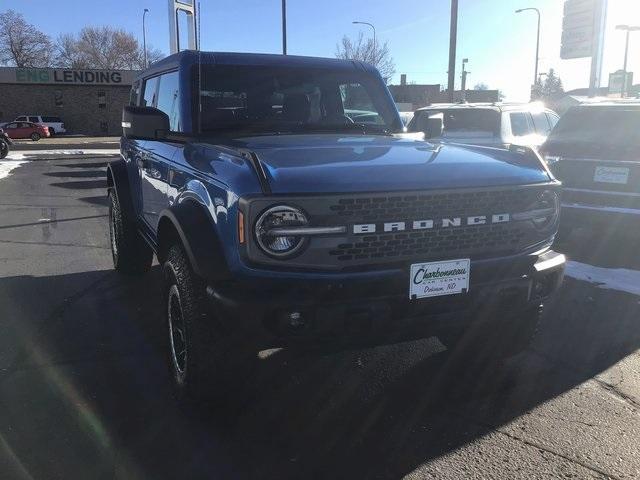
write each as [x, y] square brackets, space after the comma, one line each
[366, 51]
[21, 44]
[103, 48]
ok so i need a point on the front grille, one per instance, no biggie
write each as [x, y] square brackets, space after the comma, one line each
[349, 250]
[398, 207]
[465, 240]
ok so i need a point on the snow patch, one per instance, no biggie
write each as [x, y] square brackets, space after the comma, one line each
[621, 279]
[7, 165]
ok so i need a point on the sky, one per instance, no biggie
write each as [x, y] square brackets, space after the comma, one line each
[499, 44]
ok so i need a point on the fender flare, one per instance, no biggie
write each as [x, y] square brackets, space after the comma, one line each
[118, 180]
[193, 227]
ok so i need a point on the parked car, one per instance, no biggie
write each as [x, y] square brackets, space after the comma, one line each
[55, 124]
[489, 124]
[595, 150]
[34, 131]
[278, 220]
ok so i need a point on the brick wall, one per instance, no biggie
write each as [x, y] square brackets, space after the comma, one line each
[77, 105]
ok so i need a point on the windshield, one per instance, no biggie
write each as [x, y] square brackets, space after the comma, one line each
[463, 120]
[609, 125]
[286, 99]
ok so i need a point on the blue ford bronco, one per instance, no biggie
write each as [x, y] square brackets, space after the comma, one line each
[287, 206]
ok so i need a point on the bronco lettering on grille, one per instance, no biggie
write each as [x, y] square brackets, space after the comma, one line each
[428, 224]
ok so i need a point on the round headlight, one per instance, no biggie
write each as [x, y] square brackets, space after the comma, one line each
[548, 209]
[271, 230]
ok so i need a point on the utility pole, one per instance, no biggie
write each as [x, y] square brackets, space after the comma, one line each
[144, 37]
[453, 34]
[284, 27]
[598, 49]
[463, 86]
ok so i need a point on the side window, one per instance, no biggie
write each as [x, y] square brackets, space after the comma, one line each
[520, 125]
[553, 119]
[21, 119]
[541, 123]
[135, 94]
[11, 126]
[34, 119]
[169, 99]
[150, 90]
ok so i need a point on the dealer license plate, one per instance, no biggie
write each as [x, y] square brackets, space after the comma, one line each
[435, 279]
[619, 175]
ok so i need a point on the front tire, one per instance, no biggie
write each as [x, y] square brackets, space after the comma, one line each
[206, 362]
[131, 254]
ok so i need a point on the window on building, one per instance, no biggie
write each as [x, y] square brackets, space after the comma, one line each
[520, 124]
[135, 94]
[102, 99]
[541, 123]
[168, 99]
[150, 91]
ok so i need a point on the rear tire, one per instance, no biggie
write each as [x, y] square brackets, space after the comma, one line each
[131, 254]
[206, 362]
[495, 338]
[35, 136]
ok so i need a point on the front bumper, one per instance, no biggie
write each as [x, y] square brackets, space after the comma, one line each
[379, 311]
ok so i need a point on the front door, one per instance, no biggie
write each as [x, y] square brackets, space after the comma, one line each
[153, 165]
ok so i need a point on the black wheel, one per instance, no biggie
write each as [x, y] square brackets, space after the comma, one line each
[4, 149]
[52, 132]
[131, 254]
[206, 362]
[35, 136]
[496, 338]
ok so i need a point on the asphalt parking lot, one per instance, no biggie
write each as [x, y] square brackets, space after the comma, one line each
[84, 392]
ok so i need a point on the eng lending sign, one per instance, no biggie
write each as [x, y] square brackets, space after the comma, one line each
[62, 76]
[581, 26]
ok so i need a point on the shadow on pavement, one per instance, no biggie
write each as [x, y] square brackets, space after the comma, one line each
[82, 184]
[77, 174]
[83, 165]
[97, 200]
[86, 392]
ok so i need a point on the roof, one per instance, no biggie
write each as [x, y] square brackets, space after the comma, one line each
[187, 58]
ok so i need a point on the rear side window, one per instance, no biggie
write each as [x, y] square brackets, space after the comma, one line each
[34, 119]
[541, 123]
[168, 99]
[51, 119]
[150, 92]
[520, 124]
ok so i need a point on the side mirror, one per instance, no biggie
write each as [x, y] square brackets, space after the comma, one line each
[144, 123]
[431, 125]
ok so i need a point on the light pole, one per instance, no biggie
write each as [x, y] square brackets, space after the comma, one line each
[453, 39]
[535, 75]
[144, 37]
[284, 27]
[628, 29]
[375, 45]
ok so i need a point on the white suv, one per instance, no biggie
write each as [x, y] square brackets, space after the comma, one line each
[55, 124]
[489, 124]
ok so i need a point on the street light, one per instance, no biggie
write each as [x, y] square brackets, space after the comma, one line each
[144, 37]
[628, 29]
[284, 27]
[535, 75]
[375, 48]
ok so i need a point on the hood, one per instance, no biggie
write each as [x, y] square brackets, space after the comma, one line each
[338, 163]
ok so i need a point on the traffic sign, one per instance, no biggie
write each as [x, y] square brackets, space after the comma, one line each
[580, 28]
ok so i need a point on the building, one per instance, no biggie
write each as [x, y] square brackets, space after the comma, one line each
[411, 96]
[88, 101]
